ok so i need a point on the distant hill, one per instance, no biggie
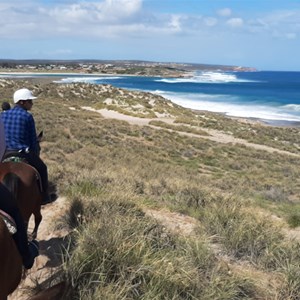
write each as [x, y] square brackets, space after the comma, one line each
[11, 63]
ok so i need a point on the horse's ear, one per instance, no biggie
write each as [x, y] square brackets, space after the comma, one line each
[40, 136]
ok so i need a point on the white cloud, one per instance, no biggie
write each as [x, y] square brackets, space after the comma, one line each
[121, 8]
[283, 24]
[32, 20]
[74, 13]
[108, 11]
[235, 22]
[175, 23]
[225, 12]
[126, 18]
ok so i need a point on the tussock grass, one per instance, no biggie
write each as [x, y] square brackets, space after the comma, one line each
[111, 171]
[129, 256]
[294, 220]
[241, 232]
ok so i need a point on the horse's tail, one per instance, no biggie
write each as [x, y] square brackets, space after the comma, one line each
[11, 182]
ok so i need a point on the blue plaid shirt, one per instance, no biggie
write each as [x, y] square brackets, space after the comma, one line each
[20, 132]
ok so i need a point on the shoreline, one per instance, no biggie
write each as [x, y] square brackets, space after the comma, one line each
[253, 121]
[46, 78]
[266, 122]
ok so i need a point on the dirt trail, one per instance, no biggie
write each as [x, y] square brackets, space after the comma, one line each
[214, 135]
[185, 225]
[50, 240]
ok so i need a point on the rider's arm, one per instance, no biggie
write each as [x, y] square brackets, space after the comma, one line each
[2, 139]
[33, 137]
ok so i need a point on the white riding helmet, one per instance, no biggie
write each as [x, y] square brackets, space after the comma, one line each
[23, 94]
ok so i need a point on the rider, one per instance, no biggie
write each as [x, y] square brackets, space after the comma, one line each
[7, 204]
[5, 106]
[21, 138]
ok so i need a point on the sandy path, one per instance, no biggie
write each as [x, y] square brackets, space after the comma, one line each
[51, 239]
[214, 135]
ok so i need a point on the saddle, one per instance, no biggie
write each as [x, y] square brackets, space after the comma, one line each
[17, 157]
[9, 222]
[13, 156]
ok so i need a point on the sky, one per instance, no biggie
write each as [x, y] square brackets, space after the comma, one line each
[263, 34]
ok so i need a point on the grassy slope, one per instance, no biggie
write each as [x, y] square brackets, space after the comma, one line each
[111, 171]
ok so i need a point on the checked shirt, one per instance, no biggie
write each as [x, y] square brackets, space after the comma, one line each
[20, 132]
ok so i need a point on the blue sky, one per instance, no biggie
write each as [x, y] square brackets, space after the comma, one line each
[264, 34]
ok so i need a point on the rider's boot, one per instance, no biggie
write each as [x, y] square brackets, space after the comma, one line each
[46, 198]
[31, 254]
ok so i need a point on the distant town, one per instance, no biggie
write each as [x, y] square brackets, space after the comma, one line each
[142, 68]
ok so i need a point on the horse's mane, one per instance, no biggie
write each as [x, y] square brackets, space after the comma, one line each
[11, 181]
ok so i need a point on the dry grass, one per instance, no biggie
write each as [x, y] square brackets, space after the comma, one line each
[110, 170]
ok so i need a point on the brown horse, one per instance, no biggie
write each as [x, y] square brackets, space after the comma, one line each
[23, 182]
[10, 263]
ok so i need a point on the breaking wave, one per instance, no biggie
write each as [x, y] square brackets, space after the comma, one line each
[206, 77]
[231, 106]
[85, 79]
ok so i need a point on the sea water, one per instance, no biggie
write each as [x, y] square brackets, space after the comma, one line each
[268, 96]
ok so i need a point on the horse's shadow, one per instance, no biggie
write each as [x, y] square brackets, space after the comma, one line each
[54, 285]
[54, 249]
[53, 193]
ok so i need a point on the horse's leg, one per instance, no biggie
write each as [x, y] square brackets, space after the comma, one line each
[3, 297]
[37, 221]
[26, 226]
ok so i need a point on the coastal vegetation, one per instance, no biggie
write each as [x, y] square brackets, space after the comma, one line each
[116, 176]
[133, 67]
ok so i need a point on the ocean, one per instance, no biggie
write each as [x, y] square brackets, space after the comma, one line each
[273, 97]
